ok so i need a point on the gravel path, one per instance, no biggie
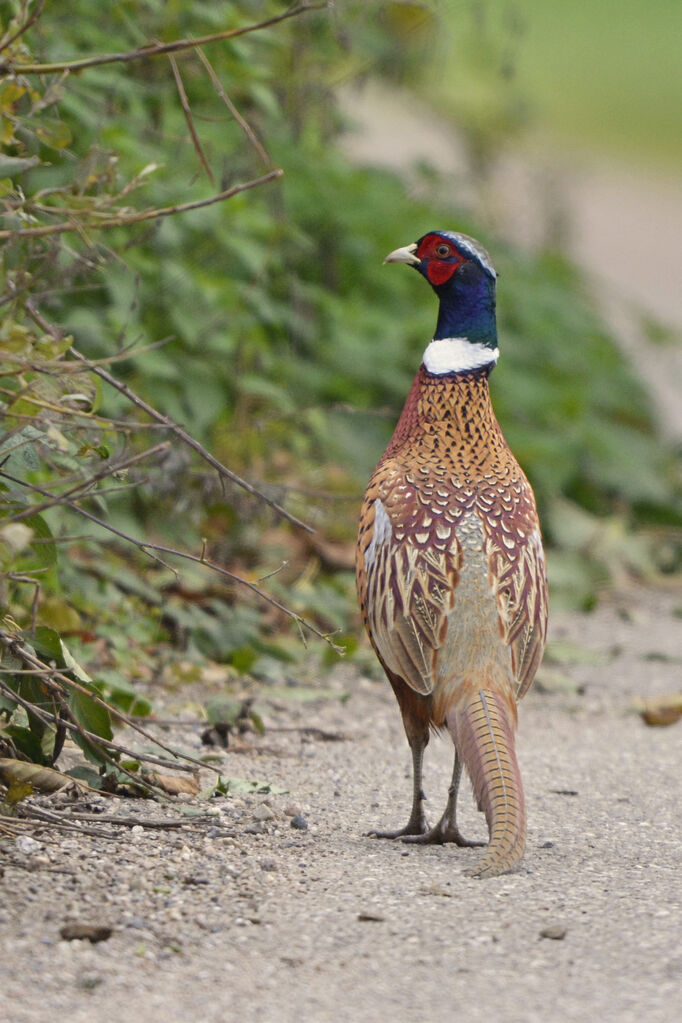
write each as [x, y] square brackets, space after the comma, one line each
[246, 917]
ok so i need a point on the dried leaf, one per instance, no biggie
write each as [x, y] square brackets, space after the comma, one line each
[659, 711]
[174, 785]
[22, 779]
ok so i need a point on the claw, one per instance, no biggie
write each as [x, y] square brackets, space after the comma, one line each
[412, 830]
[441, 835]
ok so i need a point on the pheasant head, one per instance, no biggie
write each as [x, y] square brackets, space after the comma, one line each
[460, 272]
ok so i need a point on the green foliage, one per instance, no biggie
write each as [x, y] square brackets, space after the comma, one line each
[266, 325]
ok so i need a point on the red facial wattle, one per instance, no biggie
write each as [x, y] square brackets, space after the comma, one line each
[439, 268]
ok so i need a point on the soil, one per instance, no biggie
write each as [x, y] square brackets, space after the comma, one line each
[277, 908]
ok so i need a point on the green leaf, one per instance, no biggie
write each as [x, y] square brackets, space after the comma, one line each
[53, 133]
[48, 645]
[93, 717]
[11, 166]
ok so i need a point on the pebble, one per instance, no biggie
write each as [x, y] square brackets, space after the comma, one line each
[89, 981]
[556, 932]
[299, 822]
[26, 845]
[263, 813]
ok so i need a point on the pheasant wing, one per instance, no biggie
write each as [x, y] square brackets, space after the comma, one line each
[407, 573]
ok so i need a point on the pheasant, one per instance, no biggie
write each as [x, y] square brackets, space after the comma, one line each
[450, 567]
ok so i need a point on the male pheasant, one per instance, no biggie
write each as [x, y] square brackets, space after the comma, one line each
[450, 567]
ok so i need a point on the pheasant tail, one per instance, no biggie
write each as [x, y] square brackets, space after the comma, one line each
[483, 731]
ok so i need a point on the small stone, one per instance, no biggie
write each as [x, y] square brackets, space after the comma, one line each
[263, 813]
[89, 981]
[299, 822]
[292, 810]
[136, 832]
[82, 932]
[555, 932]
[26, 845]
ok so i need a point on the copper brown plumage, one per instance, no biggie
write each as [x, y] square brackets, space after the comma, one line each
[450, 567]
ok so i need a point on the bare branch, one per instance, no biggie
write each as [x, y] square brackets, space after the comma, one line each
[243, 124]
[170, 424]
[7, 41]
[153, 549]
[124, 219]
[80, 489]
[194, 444]
[15, 645]
[186, 109]
[152, 50]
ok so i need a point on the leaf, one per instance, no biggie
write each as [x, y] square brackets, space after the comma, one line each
[241, 787]
[565, 651]
[11, 166]
[660, 711]
[16, 536]
[304, 694]
[23, 779]
[88, 775]
[225, 711]
[121, 693]
[48, 645]
[551, 680]
[94, 718]
[53, 133]
[173, 784]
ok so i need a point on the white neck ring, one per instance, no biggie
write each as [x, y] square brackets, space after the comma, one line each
[458, 355]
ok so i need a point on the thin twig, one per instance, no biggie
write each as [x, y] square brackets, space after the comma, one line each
[187, 111]
[243, 124]
[55, 820]
[168, 423]
[191, 442]
[7, 42]
[152, 50]
[79, 491]
[16, 647]
[144, 822]
[124, 219]
[147, 547]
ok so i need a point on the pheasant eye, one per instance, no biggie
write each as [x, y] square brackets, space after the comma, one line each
[443, 251]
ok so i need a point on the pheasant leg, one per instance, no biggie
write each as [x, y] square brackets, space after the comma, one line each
[446, 829]
[416, 824]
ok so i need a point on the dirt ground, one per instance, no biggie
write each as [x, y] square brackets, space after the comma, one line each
[277, 908]
[248, 917]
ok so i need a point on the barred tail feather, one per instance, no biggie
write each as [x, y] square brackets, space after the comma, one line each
[483, 731]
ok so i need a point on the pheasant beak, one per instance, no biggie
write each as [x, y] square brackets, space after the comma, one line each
[404, 255]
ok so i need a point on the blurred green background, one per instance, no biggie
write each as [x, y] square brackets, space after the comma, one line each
[288, 347]
[604, 77]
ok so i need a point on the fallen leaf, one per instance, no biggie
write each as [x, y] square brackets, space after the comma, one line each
[174, 785]
[24, 779]
[659, 711]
